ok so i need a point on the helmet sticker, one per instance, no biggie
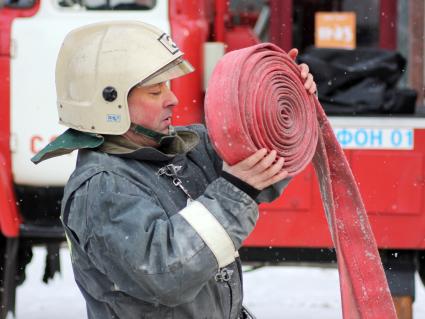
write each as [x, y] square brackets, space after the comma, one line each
[165, 39]
[114, 118]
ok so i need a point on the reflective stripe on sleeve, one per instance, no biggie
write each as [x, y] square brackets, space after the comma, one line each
[211, 232]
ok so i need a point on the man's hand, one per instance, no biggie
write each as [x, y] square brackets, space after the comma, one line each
[259, 170]
[309, 83]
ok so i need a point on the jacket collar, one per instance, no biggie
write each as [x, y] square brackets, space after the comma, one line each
[181, 142]
[170, 146]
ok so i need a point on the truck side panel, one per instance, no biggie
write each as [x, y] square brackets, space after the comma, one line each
[390, 180]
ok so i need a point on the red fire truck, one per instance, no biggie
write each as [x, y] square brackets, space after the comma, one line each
[390, 174]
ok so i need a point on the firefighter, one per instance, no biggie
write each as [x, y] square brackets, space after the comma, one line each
[153, 218]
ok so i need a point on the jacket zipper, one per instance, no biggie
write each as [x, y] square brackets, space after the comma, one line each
[224, 275]
[231, 299]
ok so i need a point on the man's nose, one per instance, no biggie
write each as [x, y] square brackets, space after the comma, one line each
[171, 99]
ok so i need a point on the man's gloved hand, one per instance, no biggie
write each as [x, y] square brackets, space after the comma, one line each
[259, 170]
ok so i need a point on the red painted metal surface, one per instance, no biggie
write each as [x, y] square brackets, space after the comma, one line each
[294, 220]
[281, 23]
[9, 216]
[388, 24]
[221, 19]
[393, 195]
[189, 29]
[239, 37]
[393, 189]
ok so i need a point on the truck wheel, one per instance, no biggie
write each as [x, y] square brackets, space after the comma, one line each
[9, 278]
[17, 253]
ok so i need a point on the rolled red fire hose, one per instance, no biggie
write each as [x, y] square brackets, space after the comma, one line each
[256, 99]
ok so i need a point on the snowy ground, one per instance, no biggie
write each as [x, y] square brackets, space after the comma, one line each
[270, 292]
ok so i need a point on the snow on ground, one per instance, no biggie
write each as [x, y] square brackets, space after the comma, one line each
[286, 292]
[293, 292]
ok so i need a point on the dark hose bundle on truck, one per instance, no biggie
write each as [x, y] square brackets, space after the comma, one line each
[360, 81]
[255, 99]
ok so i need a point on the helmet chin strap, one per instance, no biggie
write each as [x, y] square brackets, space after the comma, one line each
[153, 135]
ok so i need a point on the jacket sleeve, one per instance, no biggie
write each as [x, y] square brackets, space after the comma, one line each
[155, 257]
[272, 192]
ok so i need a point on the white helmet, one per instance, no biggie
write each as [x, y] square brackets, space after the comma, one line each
[97, 66]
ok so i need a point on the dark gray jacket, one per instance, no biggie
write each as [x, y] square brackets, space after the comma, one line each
[140, 249]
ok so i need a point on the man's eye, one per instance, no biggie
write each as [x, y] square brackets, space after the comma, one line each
[155, 93]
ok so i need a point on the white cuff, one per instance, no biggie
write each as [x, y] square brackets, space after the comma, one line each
[211, 231]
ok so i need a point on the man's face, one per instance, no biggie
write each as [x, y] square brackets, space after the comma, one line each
[152, 106]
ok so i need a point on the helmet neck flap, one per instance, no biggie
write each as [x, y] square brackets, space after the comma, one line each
[153, 135]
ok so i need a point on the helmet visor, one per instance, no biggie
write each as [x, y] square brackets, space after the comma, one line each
[172, 70]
